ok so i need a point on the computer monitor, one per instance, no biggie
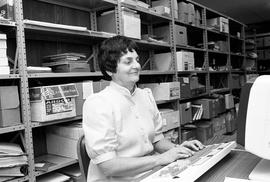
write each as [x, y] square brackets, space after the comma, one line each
[253, 124]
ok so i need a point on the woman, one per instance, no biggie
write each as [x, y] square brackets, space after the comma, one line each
[122, 124]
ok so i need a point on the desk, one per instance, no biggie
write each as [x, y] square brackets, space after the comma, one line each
[237, 164]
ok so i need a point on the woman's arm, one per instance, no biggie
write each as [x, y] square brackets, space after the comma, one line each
[130, 166]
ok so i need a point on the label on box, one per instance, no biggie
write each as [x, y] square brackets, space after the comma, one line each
[174, 92]
[58, 106]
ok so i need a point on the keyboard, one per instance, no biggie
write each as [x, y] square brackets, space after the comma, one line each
[192, 168]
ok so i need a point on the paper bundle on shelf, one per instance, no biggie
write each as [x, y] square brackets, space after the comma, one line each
[67, 62]
[4, 67]
[13, 161]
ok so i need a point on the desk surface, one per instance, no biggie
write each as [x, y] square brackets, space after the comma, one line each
[237, 164]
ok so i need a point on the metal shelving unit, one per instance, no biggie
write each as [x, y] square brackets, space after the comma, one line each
[28, 34]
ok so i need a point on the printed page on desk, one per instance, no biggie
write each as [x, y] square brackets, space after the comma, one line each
[228, 179]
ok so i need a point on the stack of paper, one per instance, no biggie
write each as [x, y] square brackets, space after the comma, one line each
[13, 161]
[197, 111]
[4, 67]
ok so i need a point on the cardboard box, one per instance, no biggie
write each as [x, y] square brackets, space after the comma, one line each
[198, 18]
[6, 9]
[163, 61]
[85, 89]
[260, 54]
[53, 102]
[9, 106]
[204, 131]
[163, 91]
[209, 107]
[185, 60]
[266, 41]
[191, 14]
[4, 70]
[164, 32]
[73, 130]
[220, 24]
[185, 113]
[185, 91]
[183, 12]
[187, 135]
[131, 23]
[166, 3]
[62, 146]
[229, 102]
[260, 41]
[162, 10]
[170, 119]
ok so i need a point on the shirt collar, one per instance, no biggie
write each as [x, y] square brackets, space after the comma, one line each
[122, 89]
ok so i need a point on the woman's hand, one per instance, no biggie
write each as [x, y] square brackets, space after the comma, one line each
[178, 152]
[194, 145]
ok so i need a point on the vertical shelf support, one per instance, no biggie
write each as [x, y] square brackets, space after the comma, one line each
[25, 106]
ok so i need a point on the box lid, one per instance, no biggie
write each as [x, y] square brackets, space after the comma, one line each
[9, 97]
[53, 92]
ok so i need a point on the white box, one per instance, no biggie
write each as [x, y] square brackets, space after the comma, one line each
[4, 70]
[183, 12]
[162, 10]
[3, 61]
[185, 61]
[131, 23]
[170, 119]
[3, 52]
[163, 91]
[3, 43]
[166, 3]
[191, 14]
[73, 130]
[221, 23]
[53, 102]
[163, 61]
[63, 146]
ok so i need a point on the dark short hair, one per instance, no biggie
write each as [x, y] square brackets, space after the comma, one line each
[110, 52]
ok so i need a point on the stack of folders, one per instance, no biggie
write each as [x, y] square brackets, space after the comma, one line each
[13, 161]
[197, 111]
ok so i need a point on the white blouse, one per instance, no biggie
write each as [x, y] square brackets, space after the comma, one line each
[117, 123]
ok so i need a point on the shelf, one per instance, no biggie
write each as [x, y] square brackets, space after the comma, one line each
[235, 54]
[52, 32]
[144, 44]
[165, 101]
[220, 90]
[21, 179]
[59, 75]
[237, 71]
[193, 98]
[188, 25]
[12, 128]
[217, 32]
[236, 38]
[46, 123]
[58, 162]
[148, 14]
[190, 72]
[153, 72]
[82, 5]
[7, 23]
[11, 76]
[217, 52]
[190, 48]
[219, 72]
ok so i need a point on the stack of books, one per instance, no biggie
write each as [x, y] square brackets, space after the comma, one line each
[13, 161]
[67, 62]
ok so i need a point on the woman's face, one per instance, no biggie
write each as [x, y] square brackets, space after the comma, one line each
[128, 69]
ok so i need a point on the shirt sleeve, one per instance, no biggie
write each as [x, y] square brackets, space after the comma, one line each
[156, 118]
[99, 129]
